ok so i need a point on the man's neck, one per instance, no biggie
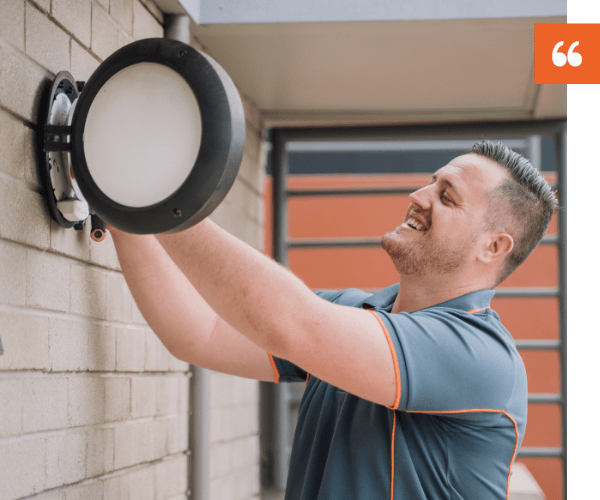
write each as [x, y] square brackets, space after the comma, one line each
[419, 292]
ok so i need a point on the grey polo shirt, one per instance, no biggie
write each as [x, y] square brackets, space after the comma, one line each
[456, 425]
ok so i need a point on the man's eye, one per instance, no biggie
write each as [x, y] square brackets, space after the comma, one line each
[445, 197]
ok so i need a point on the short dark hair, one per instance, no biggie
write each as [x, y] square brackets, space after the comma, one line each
[522, 205]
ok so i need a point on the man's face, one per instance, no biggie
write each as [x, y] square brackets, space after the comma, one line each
[444, 219]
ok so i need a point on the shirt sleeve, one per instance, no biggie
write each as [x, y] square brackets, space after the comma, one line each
[451, 362]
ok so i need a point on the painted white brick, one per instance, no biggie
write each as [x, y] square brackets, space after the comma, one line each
[143, 396]
[141, 484]
[116, 488]
[11, 394]
[44, 403]
[48, 281]
[88, 291]
[100, 451]
[70, 242]
[12, 23]
[118, 299]
[22, 466]
[244, 484]
[122, 11]
[20, 73]
[92, 491]
[184, 394]
[65, 459]
[105, 34]
[131, 443]
[78, 346]
[13, 140]
[131, 346]
[157, 355]
[13, 269]
[158, 443]
[25, 217]
[178, 434]
[117, 402]
[76, 17]
[83, 64]
[144, 24]
[171, 477]
[221, 388]
[222, 488]
[167, 395]
[45, 42]
[53, 495]
[86, 400]
[25, 341]
[42, 4]
[68, 345]
[102, 345]
[176, 365]
[124, 38]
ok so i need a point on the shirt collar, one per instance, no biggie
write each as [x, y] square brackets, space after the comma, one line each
[385, 298]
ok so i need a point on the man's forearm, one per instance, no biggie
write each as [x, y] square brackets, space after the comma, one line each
[251, 292]
[169, 303]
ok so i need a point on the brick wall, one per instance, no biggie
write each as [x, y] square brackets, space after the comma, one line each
[92, 405]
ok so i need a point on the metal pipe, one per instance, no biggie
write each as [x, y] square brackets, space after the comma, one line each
[177, 27]
[282, 445]
[561, 167]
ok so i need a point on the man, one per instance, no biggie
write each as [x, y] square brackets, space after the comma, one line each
[415, 392]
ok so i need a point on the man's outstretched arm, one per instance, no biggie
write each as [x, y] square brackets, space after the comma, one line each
[183, 321]
[344, 346]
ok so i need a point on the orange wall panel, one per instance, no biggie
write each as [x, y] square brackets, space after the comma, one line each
[528, 318]
[548, 474]
[339, 268]
[543, 426]
[543, 370]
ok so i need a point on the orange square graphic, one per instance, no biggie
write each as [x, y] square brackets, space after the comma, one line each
[567, 53]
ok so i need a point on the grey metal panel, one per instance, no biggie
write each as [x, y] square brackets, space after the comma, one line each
[361, 242]
[447, 131]
[286, 11]
[332, 146]
[544, 398]
[530, 451]
[538, 345]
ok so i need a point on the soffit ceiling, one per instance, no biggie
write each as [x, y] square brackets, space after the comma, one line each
[387, 72]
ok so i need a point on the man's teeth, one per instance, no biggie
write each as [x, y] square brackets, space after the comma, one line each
[415, 224]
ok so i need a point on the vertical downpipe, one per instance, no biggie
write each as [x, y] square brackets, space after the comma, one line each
[561, 164]
[282, 391]
[177, 27]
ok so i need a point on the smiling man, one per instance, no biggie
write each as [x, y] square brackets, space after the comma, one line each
[414, 393]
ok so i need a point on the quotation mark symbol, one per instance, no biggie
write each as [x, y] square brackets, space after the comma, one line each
[559, 59]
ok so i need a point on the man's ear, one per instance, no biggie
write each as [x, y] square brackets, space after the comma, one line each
[497, 246]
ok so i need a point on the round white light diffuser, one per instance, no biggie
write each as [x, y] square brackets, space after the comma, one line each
[142, 134]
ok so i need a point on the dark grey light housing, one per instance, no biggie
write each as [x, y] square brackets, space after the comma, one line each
[152, 143]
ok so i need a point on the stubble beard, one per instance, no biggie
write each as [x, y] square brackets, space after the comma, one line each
[423, 256]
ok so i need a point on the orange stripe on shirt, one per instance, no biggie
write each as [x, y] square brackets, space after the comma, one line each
[274, 369]
[396, 367]
[487, 410]
[477, 310]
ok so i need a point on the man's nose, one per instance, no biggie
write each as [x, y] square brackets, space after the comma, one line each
[421, 197]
